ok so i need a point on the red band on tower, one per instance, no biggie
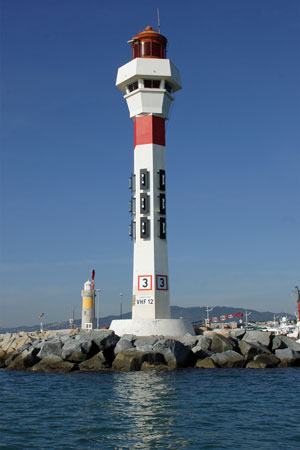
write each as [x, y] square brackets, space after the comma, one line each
[149, 130]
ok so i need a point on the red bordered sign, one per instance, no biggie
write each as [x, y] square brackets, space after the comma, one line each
[162, 282]
[144, 282]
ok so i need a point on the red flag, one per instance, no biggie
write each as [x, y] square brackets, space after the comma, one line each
[93, 277]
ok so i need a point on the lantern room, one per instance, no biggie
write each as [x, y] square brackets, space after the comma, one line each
[149, 44]
[149, 80]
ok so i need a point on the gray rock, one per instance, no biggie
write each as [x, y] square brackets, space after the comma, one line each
[97, 362]
[280, 342]
[30, 357]
[125, 343]
[258, 337]
[36, 345]
[174, 352]
[15, 363]
[128, 361]
[220, 344]
[53, 347]
[237, 333]
[104, 339]
[254, 365]
[201, 349]
[20, 360]
[266, 361]
[263, 362]
[53, 364]
[76, 350]
[250, 350]
[145, 344]
[26, 346]
[287, 357]
[229, 359]
[21, 340]
[65, 338]
[188, 340]
[206, 363]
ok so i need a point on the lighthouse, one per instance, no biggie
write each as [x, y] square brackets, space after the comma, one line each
[148, 83]
[88, 321]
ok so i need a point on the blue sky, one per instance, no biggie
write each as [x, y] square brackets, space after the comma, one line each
[67, 150]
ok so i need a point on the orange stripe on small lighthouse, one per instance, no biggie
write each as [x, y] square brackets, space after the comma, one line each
[149, 130]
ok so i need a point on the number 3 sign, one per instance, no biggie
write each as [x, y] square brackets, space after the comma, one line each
[145, 282]
[161, 282]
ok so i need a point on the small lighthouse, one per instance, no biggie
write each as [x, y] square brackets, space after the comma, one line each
[88, 321]
[148, 83]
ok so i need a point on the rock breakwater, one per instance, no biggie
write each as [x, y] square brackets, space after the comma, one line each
[75, 350]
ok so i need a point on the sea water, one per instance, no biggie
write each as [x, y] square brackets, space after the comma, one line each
[183, 409]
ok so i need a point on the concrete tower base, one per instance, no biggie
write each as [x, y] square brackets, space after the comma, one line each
[149, 327]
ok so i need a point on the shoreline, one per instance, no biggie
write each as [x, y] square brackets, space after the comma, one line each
[98, 350]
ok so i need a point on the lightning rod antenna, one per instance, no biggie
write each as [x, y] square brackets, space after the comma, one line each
[158, 21]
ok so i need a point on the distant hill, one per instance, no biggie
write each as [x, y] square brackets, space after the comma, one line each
[194, 314]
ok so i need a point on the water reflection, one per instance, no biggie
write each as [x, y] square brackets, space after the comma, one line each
[148, 406]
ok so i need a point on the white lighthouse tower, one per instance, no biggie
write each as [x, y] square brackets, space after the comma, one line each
[148, 83]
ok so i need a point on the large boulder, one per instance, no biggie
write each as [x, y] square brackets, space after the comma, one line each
[228, 359]
[237, 333]
[15, 362]
[128, 361]
[97, 362]
[263, 361]
[202, 343]
[47, 348]
[280, 342]
[174, 352]
[221, 344]
[250, 350]
[189, 340]
[206, 363]
[146, 344]
[104, 339]
[287, 357]
[258, 337]
[76, 350]
[65, 338]
[21, 340]
[125, 343]
[53, 364]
